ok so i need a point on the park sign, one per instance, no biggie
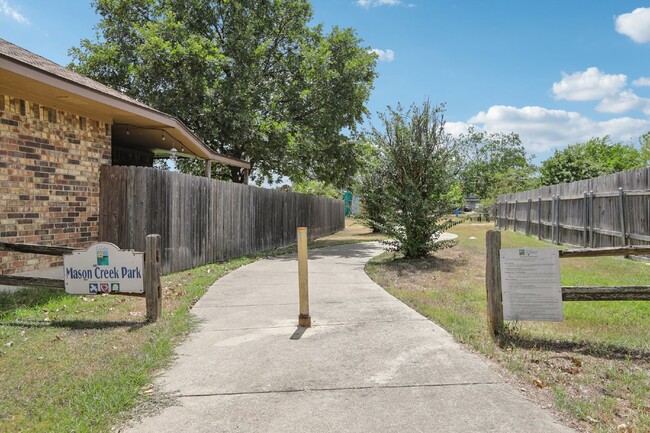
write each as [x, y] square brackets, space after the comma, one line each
[103, 268]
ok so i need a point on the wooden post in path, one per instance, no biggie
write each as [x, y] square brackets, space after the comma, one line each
[152, 272]
[493, 281]
[304, 319]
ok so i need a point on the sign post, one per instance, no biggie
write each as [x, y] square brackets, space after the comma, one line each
[103, 268]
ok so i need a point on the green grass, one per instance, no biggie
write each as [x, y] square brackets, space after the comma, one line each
[595, 365]
[87, 363]
[70, 363]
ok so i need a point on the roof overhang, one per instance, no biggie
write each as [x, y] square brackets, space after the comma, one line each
[33, 84]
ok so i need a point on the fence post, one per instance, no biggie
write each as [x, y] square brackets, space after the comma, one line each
[621, 206]
[514, 221]
[528, 208]
[539, 217]
[557, 219]
[303, 281]
[553, 219]
[497, 214]
[591, 219]
[585, 210]
[152, 271]
[493, 281]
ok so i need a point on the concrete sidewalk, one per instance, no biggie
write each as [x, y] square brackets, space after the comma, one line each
[368, 364]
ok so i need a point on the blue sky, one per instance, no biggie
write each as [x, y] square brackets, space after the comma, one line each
[555, 71]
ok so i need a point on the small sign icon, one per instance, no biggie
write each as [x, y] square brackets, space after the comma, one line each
[522, 252]
[115, 287]
[103, 287]
[93, 288]
[102, 257]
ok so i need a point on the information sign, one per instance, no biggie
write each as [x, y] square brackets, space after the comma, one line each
[103, 268]
[530, 282]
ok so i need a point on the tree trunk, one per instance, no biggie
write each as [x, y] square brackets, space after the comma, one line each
[239, 175]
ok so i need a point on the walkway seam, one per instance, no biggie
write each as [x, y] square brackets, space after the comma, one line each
[351, 388]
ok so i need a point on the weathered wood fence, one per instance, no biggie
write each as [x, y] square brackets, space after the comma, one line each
[203, 220]
[612, 210]
[151, 275]
[569, 293]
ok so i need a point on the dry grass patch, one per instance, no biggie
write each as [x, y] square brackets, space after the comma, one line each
[593, 369]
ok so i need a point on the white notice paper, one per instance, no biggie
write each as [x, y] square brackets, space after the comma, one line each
[530, 282]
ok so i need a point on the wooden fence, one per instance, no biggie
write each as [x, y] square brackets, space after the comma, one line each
[612, 210]
[203, 220]
[569, 293]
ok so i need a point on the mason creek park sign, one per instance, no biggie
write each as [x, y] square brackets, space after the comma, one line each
[103, 268]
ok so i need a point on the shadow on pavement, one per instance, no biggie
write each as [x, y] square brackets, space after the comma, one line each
[347, 251]
[298, 333]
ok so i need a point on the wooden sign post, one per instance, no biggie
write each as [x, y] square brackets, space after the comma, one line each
[304, 319]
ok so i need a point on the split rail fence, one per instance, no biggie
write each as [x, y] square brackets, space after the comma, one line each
[203, 220]
[151, 274]
[612, 210]
[569, 293]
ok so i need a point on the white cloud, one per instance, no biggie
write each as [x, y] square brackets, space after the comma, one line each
[542, 129]
[455, 129]
[384, 55]
[12, 13]
[376, 3]
[591, 84]
[635, 24]
[642, 82]
[624, 101]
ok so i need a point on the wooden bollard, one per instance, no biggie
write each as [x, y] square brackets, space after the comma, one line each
[152, 272]
[304, 319]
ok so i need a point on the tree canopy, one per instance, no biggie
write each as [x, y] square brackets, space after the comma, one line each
[251, 78]
[496, 163]
[596, 157]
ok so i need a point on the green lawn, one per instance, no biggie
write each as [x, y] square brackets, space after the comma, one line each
[84, 364]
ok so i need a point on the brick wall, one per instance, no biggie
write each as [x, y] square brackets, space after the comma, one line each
[49, 179]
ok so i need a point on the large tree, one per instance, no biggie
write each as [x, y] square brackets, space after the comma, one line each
[415, 167]
[252, 78]
[596, 157]
[497, 163]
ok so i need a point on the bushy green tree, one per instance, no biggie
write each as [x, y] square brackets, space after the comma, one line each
[596, 157]
[315, 187]
[644, 144]
[417, 162]
[497, 163]
[252, 78]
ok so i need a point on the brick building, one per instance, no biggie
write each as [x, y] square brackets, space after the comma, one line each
[56, 129]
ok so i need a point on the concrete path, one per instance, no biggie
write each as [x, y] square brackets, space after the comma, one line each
[368, 364]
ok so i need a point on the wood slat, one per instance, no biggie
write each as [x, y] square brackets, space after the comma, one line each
[606, 251]
[606, 293]
[50, 250]
[37, 282]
